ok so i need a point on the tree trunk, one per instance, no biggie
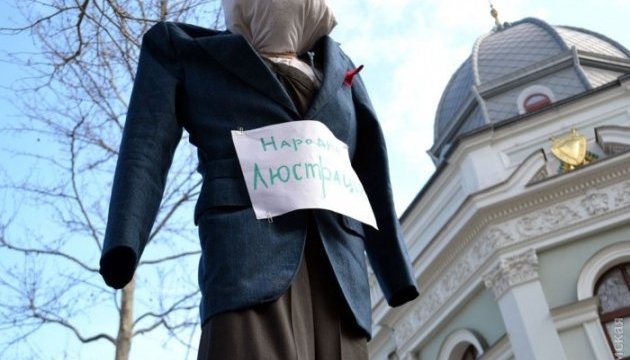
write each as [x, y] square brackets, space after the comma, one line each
[125, 330]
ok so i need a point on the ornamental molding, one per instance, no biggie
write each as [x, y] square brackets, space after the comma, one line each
[613, 139]
[546, 220]
[455, 344]
[512, 271]
[526, 220]
[572, 315]
[552, 208]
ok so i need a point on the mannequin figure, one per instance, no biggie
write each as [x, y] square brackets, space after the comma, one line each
[295, 287]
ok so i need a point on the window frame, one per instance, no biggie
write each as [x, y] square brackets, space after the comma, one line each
[624, 312]
[456, 344]
[530, 91]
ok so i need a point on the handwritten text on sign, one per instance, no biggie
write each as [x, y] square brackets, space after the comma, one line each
[300, 165]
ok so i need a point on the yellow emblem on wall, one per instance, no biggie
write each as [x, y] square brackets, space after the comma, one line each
[571, 151]
[570, 148]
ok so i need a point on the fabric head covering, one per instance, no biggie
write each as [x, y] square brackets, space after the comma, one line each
[279, 26]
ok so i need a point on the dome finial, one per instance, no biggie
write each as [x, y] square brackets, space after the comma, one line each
[495, 14]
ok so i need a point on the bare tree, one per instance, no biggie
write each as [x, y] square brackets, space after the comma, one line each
[72, 107]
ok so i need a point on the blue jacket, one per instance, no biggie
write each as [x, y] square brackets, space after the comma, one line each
[209, 83]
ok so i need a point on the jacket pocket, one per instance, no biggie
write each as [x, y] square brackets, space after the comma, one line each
[223, 186]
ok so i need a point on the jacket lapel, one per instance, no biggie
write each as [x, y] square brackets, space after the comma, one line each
[334, 72]
[237, 56]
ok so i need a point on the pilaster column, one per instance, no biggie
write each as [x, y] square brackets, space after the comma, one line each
[523, 307]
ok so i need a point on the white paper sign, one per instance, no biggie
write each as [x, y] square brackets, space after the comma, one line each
[300, 165]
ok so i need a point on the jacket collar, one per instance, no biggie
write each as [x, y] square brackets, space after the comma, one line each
[334, 72]
[234, 53]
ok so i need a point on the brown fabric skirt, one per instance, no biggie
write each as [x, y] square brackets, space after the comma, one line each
[311, 321]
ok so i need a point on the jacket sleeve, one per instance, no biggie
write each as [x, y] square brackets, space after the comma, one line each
[150, 136]
[385, 247]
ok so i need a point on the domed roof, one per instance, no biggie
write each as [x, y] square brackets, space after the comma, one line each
[559, 61]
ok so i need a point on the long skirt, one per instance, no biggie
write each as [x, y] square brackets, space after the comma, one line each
[310, 321]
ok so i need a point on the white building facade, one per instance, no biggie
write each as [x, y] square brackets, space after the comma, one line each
[520, 251]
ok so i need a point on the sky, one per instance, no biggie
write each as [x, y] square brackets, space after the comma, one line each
[410, 49]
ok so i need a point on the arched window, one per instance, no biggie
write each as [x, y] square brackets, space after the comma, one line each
[462, 344]
[534, 98]
[613, 291]
[536, 102]
[470, 353]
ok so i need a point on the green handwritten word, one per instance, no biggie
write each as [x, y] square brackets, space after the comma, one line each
[271, 144]
[304, 171]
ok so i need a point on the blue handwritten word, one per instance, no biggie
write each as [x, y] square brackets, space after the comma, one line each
[301, 171]
[270, 144]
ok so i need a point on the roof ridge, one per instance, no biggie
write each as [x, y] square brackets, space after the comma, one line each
[598, 35]
[497, 57]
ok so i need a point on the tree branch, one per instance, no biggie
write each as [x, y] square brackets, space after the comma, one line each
[77, 195]
[74, 97]
[169, 258]
[173, 208]
[72, 328]
[57, 253]
[172, 308]
[82, 10]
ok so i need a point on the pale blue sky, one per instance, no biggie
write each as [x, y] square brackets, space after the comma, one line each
[409, 48]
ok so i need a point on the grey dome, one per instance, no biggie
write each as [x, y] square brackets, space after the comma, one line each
[504, 63]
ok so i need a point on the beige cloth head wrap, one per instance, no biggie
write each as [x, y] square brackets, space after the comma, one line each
[279, 26]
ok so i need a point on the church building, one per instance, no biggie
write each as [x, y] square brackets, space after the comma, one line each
[520, 240]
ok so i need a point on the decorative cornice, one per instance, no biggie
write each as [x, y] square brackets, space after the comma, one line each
[572, 315]
[511, 271]
[532, 214]
[552, 209]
